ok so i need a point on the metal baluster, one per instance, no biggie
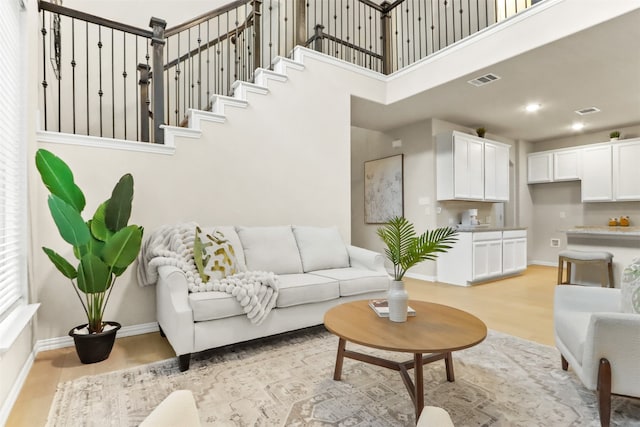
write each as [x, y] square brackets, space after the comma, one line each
[208, 93]
[166, 76]
[113, 94]
[73, 72]
[100, 92]
[43, 31]
[124, 80]
[177, 80]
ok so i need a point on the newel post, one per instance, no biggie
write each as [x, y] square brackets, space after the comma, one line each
[157, 43]
[301, 22]
[317, 37]
[257, 43]
[385, 30]
[143, 81]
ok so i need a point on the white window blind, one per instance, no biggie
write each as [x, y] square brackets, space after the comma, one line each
[13, 143]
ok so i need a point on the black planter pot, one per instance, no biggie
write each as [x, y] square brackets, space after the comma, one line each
[92, 348]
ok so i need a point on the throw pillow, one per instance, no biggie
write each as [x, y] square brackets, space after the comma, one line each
[631, 288]
[214, 256]
[321, 248]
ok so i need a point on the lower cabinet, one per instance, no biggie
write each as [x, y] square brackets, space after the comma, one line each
[483, 255]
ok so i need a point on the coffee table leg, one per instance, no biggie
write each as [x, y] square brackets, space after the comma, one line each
[339, 359]
[448, 363]
[418, 383]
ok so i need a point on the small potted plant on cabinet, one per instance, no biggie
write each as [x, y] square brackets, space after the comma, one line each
[614, 136]
[103, 245]
[480, 132]
[405, 249]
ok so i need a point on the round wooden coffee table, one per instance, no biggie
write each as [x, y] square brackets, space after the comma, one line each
[432, 334]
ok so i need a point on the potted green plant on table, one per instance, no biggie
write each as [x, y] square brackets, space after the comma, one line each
[406, 249]
[104, 247]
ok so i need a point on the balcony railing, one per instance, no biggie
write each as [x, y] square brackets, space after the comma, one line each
[89, 63]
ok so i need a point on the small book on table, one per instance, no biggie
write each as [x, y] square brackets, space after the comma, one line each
[381, 308]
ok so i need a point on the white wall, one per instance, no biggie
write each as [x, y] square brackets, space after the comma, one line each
[551, 201]
[285, 159]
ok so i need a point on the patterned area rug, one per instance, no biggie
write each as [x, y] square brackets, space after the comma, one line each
[286, 381]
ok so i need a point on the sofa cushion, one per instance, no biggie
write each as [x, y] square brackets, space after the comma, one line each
[356, 281]
[214, 305]
[296, 289]
[320, 248]
[571, 327]
[270, 249]
[230, 233]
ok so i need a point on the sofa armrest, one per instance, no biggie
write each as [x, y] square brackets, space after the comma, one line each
[586, 299]
[173, 309]
[365, 258]
[615, 337]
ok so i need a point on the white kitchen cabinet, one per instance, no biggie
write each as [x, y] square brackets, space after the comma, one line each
[626, 170]
[487, 255]
[597, 177]
[496, 172]
[514, 251]
[539, 167]
[554, 165]
[483, 255]
[461, 169]
[566, 165]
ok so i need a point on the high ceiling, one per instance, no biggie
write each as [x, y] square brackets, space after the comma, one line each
[598, 67]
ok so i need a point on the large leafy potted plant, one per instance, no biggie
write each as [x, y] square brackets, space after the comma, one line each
[104, 247]
[406, 249]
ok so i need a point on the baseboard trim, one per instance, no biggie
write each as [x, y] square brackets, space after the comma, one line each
[7, 405]
[421, 277]
[125, 331]
[545, 263]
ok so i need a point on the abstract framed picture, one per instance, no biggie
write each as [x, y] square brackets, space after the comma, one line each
[383, 190]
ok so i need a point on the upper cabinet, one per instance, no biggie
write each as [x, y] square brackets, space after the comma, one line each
[609, 171]
[496, 172]
[553, 166]
[626, 170]
[597, 180]
[471, 168]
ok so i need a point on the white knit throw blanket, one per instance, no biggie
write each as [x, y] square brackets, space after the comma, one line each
[255, 291]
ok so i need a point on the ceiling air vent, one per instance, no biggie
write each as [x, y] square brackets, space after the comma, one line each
[588, 110]
[483, 80]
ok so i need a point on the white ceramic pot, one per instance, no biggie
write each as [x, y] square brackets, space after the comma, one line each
[398, 298]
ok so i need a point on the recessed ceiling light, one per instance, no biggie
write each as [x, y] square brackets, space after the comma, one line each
[577, 126]
[533, 107]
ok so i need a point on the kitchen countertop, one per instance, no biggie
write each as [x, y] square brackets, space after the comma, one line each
[475, 228]
[604, 231]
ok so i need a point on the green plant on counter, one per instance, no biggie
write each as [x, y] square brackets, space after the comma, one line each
[405, 249]
[614, 134]
[104, 245]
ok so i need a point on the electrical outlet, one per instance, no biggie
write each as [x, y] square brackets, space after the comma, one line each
[555, 243]
[563, 215]
[438, 210]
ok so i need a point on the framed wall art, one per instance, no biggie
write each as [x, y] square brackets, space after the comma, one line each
[383, 189]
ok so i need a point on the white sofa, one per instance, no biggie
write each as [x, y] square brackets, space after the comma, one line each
[316, 271]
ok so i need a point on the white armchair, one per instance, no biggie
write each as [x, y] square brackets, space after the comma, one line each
[601, 343]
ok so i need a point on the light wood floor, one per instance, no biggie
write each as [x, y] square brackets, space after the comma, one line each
[520, 306]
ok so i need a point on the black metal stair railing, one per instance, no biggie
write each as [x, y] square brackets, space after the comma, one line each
[89, 70]
[89, 63]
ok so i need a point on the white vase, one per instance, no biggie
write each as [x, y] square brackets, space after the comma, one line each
[397, 297]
